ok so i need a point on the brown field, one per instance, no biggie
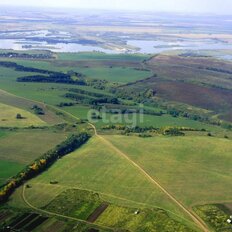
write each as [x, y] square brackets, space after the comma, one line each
[200, 82]
[199, 96]
[97, 212]
[196, 70]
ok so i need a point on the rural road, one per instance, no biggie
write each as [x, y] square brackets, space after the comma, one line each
[60, 215]
[194, 217]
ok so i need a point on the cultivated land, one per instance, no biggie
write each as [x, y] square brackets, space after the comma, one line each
[20, 148]
[8, 117]
[171, 169]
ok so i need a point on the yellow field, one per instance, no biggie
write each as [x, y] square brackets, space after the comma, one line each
[8, 117]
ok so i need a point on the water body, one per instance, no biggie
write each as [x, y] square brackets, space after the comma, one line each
[58, 47]
[141, 46]
[226, 57]
[162, 46]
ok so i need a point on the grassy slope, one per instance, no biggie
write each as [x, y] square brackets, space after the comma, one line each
[147, 120]
[115, 74]
[25, 146]
[52, 94]
[8, 117]
[194, 169]
[18, 149]
[96, 167]
[101, 56]
[8, 169]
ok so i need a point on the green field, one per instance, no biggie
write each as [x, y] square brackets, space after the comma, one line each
[139, 120]
[8, 117]
[8, 169]
[171, 160]
[195, 169]
[215, 215]
[101, 56]
[18, 149]
[96, 167]
[183, 165]
[116, 74]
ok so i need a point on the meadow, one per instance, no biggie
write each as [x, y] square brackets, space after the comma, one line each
[95, 167]
[184, 164]
[20, 148]
[8, 117]
[115, 74]
[172, 161]
[145, 120]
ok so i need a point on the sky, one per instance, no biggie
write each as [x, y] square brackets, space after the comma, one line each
[197, 6]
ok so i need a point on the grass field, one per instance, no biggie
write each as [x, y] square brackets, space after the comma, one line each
[143, 121]
[150, 220]
[8, 117]
[84, 204]
[18, 149]
[97, 168]
[115, 74]
[101, 56]
[8, 169]
[195, 169]
[25, 146]
[183, 165]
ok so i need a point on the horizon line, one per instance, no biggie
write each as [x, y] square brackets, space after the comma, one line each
[111, 9]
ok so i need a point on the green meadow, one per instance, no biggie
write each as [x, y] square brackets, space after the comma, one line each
[8, 117]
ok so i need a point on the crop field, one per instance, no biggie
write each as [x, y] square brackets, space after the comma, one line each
[101, 56]
[20, 102]
[17, 149]
[174, 161]
[88, 205]
[8, 117]
[98, 168]
[8, 169]
[99, 183]
[215, 216]
[25, 146]
[87, 167]
[116, 74]
[146, 220]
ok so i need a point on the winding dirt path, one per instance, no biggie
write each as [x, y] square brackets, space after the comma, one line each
[194, 217]
[60, 215]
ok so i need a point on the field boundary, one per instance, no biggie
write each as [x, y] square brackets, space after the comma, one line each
[145, 205]
[194, 217]
[198, 221]
[60, 215]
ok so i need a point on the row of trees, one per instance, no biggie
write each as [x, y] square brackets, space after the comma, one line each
[88, 99]
[48, 76]
[164, 131]
[44, 162]
[47, 55]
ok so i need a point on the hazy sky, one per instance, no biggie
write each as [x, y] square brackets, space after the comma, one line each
[201, 6]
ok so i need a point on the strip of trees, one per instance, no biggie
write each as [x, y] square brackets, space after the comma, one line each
[44, 162]
[47, 76]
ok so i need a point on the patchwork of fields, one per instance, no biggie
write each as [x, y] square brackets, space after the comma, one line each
[109, 183]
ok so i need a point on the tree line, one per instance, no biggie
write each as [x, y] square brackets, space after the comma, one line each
[44, 162]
